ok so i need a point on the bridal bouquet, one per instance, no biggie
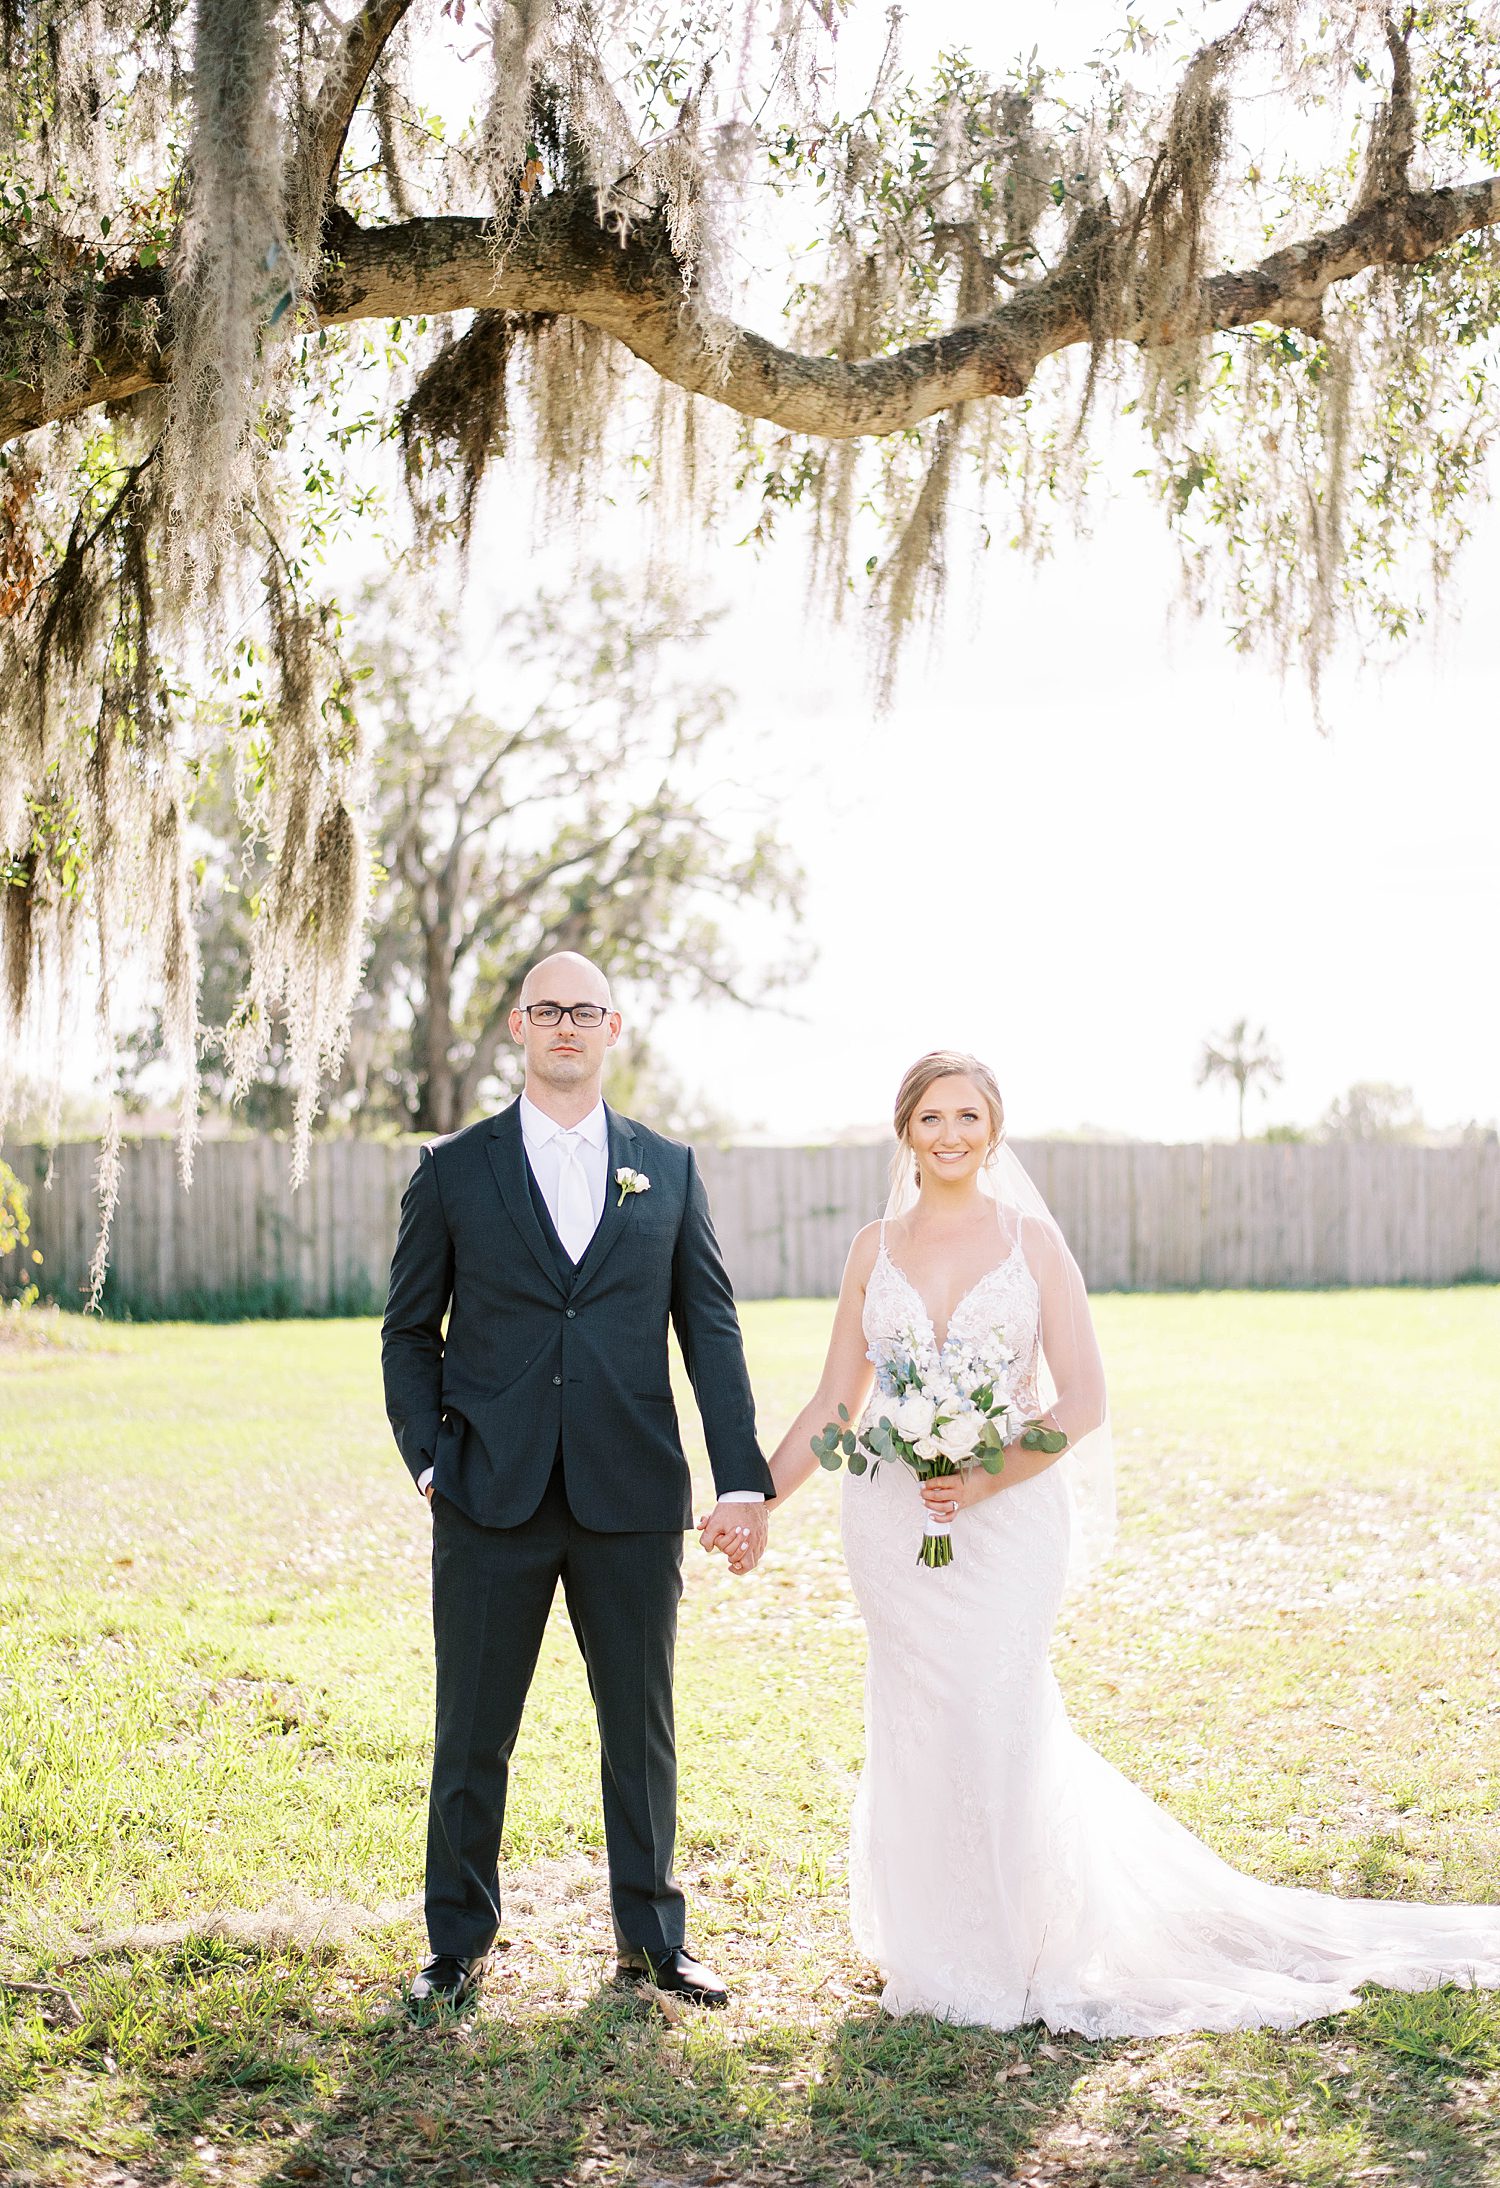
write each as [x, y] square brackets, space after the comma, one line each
[945, 1412]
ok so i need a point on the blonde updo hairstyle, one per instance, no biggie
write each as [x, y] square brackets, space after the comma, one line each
[945, 1063]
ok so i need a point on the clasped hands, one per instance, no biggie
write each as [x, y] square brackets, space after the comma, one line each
[740, 1531]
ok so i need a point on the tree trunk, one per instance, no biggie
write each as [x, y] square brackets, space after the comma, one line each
[439, 1089]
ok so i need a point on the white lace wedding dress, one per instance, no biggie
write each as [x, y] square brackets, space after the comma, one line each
[1002, 1872]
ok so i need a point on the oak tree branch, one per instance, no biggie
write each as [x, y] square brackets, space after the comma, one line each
[563, 262]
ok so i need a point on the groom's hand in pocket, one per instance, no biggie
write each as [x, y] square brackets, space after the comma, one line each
[740, 1531]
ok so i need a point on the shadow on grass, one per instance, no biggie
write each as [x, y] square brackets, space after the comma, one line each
[309, 2071]
[608, 2089]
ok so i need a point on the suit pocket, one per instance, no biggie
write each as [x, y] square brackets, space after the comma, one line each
[465, 1400]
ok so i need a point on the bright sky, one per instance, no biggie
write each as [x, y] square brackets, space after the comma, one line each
[1087, 834]
[1081, 841]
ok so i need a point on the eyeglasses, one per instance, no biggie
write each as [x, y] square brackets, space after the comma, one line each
[584, 1015]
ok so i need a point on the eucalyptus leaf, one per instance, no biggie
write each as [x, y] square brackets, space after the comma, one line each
[1044, 1439]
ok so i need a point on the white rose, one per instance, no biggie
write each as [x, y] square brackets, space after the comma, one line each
[914, 1416]
[928, 1447]
[959, 1437]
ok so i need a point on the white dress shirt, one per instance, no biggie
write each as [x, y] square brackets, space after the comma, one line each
[539, 1132]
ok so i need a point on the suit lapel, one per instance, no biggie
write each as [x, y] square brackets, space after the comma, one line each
[507, 1153]
[615, 1220]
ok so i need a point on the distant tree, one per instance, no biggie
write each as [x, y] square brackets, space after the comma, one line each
[638, 1080]
[1244, 1055]
[1373, 1110]
[587, 812]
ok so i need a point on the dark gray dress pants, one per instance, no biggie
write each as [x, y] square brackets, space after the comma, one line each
[492, 1589]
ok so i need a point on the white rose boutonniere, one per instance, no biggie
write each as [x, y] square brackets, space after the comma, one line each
[631, 1181]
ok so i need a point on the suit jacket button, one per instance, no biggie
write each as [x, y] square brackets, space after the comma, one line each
[557, 1379]
[572, 1314]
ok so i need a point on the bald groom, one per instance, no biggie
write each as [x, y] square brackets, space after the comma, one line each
[561, 1241]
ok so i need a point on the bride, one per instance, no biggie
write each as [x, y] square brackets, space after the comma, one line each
[1001, 1871]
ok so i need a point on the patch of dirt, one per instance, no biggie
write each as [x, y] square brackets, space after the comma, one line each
[297, 1920]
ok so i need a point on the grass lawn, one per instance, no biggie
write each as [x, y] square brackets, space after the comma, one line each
[215, 1688]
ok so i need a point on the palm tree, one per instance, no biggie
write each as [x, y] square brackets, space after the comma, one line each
[1243, 1055]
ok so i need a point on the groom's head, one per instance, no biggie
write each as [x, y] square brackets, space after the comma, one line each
[555, 996]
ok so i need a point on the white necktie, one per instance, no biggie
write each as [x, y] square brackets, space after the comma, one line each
[575, 1204]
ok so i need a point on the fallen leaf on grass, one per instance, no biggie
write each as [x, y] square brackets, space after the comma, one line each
[669, 2006]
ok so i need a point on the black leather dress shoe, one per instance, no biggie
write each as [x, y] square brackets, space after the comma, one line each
[676, 1971]
[445, 1980]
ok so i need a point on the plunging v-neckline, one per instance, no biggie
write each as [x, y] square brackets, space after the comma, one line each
[959, 1304]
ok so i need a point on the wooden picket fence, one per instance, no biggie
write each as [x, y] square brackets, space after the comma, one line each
[1139, 1217]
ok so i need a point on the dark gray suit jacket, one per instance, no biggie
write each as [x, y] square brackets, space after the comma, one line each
[538, 1357]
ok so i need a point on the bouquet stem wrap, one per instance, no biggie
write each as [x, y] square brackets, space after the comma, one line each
[937, 1537]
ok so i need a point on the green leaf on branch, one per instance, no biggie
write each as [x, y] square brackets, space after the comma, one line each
[1037, 1438]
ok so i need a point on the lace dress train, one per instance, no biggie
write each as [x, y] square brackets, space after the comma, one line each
[1000, 1870]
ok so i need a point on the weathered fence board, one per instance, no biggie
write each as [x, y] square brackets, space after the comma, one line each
[1139, 1217]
